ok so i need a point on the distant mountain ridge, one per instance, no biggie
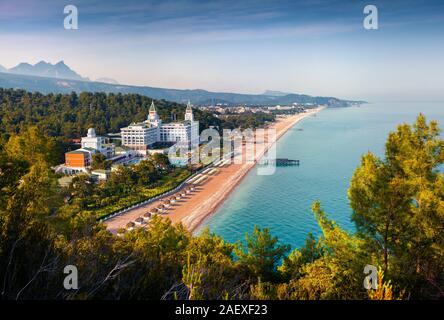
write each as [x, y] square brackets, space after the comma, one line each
[45, 69]
[107, 80]
[59, 78]
[275, 93]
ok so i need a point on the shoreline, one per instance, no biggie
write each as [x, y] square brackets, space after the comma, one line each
[208, 197]
[238, 181]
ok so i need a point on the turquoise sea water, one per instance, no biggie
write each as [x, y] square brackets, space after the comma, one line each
[329, 146]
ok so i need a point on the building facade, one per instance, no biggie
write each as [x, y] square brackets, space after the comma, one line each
[95, 142]
[79, 160]
[141, 136]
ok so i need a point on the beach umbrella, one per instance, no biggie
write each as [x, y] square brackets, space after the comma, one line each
[139, 221]
[147, 215]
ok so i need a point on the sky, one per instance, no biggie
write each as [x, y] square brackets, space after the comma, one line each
[315, 47]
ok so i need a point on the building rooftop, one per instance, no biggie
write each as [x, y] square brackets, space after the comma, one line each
[177, 123]
[82, 151]
[138, 124]
[78, 151]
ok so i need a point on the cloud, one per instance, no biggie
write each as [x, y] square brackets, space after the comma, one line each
[301, 45]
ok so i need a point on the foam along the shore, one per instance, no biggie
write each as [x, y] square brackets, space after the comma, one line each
[211, 189]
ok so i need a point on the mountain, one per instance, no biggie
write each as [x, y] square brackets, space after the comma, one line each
[275, 93]
[44, 69]
[3, 69]
[107, 80]
[22, 68]
[196, 96]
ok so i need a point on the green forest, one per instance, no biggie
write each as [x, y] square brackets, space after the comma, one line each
[397, 202]
[68, 116]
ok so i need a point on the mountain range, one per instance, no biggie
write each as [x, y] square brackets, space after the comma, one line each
[275, 93]
[45, 69]
[59, 78]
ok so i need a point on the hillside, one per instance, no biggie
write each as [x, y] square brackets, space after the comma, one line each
[196, 96]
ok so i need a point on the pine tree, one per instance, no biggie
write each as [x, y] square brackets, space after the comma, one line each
[398, 205]
[261, 253]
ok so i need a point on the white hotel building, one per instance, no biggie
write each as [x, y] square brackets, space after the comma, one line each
[98, 143]
[141, 136]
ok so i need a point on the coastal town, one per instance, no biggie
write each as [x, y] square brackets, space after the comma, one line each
[137, 141]
[191, 200]
[221, 109]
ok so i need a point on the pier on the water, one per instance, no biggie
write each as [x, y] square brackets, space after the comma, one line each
[279, 162]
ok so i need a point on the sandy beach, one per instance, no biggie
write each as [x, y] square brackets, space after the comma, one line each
[195, 207]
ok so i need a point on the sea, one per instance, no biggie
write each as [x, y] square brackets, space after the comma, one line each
[329, 146]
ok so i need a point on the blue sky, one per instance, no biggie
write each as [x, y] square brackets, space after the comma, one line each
[311, 46]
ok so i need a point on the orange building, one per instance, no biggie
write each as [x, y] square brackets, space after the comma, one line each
[78, 159]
